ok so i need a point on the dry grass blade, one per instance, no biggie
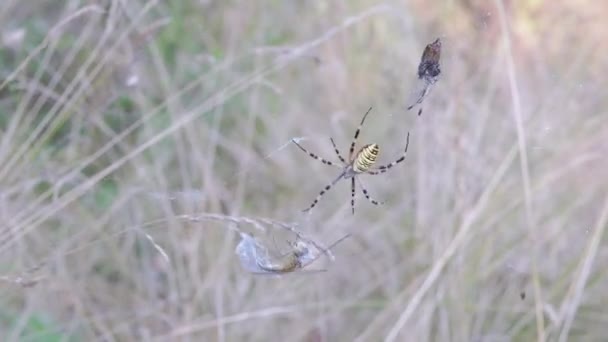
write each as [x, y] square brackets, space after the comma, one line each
[578, 284]
[143, 142]
[457, 242]
[23, 227]
[525, 169]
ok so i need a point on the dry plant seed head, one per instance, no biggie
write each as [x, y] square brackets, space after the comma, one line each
[359, 163]
[428, 74]
[429, 69]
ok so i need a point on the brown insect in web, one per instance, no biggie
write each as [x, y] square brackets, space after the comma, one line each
[428, 74]
[256, 258]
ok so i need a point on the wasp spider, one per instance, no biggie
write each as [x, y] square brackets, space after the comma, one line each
[358, 163]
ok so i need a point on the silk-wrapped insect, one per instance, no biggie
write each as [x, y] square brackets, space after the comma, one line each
[255, 257]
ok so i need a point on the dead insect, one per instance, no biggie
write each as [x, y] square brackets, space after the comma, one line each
[291, 262]
[255, 258]
[428, 74]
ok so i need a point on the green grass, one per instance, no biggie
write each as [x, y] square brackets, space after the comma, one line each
[37, 328]
[503, 189]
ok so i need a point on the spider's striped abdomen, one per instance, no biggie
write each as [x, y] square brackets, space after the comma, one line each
[366, 158]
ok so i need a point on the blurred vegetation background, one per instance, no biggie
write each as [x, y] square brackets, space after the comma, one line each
[121, 121]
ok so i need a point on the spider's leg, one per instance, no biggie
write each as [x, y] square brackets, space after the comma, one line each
[384, 168]
[326, 251]
[323, 192]
[369, 198]
[352, 145]
[352, 194]
[337, 151]
[326, 162]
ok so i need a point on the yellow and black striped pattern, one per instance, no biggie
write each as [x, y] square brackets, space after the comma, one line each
[360, 163]
[366, 158]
